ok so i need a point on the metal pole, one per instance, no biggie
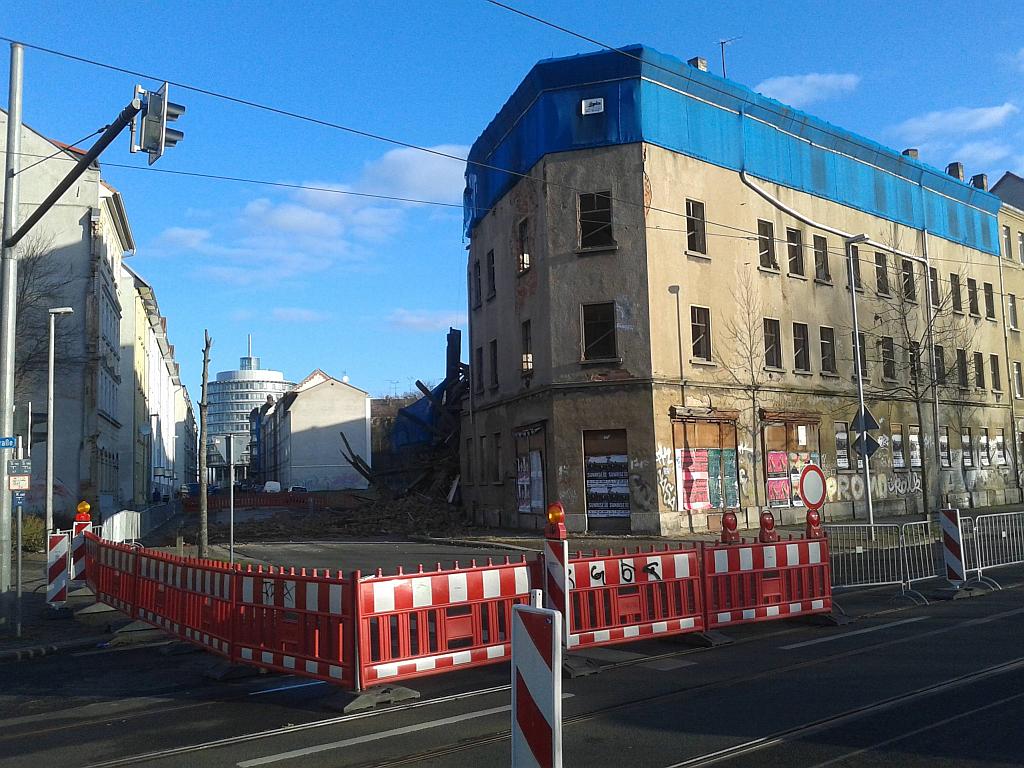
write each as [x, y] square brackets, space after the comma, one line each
[860, 381]
[933, 318]
[49, 430]
[231, 499]
[9, 299]
[21, 528]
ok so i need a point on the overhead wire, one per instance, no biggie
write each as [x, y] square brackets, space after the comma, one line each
[747, 234]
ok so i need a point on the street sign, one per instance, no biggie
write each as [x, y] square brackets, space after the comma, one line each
[19, 466]
[855, 425]
[872, 445]
[812, 486]
[19, 482]
[8, 443]
[19, 498]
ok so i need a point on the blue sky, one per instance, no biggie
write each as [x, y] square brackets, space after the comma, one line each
[368, 288]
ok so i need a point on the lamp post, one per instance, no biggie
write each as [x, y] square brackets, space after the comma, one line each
[49, 417]
[849, 242]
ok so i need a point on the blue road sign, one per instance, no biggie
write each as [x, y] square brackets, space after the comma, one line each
[19, 498]
[872, 445]
[8, 443]
[855, 425]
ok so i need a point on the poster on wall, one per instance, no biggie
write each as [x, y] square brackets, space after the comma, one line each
[523, 484]
[692, 478]
[607, 480]
[779, 492]
[797, 461]
[715, 477]
[536, 482]
[914, 438]
[842, 446]
[898, 460]
[730, 479]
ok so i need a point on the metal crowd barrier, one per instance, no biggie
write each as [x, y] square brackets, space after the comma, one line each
[122, 526]
[998, 540]
[864, 555]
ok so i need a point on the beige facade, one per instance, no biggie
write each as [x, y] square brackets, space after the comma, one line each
[689, 350]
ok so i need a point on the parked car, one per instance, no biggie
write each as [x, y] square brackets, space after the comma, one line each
[271, 486]
[297, 489]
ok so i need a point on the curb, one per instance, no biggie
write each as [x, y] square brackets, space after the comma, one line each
[37, 651]
[469, 543]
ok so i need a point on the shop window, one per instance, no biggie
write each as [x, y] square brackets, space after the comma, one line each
[788, 448]
[529, 448]
[606, 473]
[944, 457]
[999, 447]
[842, 445]
[983, 455]
[899, 460]
[966, 449]
[914, 443]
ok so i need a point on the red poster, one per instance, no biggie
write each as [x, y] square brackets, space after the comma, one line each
[779, 490]
[778, 463]
[692, 478]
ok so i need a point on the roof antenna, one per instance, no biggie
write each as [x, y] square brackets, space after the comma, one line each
[724, 43]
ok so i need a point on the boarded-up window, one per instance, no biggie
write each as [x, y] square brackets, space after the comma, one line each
[706, 472]
[606, 473]
[789, 446]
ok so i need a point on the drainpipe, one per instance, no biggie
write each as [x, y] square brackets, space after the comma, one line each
[1010, 383]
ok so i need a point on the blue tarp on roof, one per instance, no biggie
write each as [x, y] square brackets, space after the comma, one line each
[658, 99]
[409, 431]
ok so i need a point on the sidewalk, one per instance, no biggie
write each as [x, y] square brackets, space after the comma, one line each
[43, 629]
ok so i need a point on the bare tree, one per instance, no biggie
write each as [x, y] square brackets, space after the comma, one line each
[204, 529]
[919, 330]
[744, 359]
[42, 282]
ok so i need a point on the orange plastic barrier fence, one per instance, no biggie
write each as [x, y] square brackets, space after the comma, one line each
[615, 598]
[411, 625]
[756, 582]
[298, 623]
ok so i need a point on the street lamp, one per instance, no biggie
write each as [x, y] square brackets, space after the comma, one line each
[49, 417]
[849, 242]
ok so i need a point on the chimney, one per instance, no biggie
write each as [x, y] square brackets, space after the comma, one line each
[698, 63]
[912, 153]
[980, 180]
[956, 170]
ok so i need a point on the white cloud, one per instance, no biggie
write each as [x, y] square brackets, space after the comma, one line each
[801, 90]
[183, 237]
[955, 121]
[299, 315]
[984, 153]
[425, 319]
[420, 175]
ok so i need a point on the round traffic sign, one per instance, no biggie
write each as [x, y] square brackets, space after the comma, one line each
[812, 486]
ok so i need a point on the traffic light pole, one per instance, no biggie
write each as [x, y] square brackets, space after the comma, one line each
[113, 130]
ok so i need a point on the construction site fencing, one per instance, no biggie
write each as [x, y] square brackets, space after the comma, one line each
[355, 630]
[417, 624]
[215, 502]
[122, 526]
[634, 594]
[921, 555]
[753, 581]
[998, 541]
[863, 555]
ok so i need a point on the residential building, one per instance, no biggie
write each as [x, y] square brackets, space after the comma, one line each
[300, 434]
[232, 396]
[659, 308]
[72, 258]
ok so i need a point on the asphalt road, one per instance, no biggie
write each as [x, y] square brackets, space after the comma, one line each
[941, 685]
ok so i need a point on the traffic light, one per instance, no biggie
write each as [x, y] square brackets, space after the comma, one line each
[157, 112]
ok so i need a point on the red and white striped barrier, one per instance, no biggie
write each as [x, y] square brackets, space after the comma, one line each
[536, 687]
[952, 546]
[402, 616]
[757, 582]
[78, 549]
[57, 549]
[634, 595]
[558, 581]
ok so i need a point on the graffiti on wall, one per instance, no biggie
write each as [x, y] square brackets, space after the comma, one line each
[666, 476]
[883, 485]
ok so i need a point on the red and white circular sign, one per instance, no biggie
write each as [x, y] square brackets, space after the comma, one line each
[812, 486]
